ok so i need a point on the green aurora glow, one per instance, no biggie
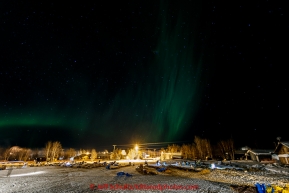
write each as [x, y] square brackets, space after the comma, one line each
[161, 105]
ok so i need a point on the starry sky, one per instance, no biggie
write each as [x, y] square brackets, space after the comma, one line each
[92, 74]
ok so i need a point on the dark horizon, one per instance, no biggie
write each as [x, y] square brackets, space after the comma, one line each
[14, 138]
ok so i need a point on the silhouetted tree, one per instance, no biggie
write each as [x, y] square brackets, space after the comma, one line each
[70, 152]
[132, 153]
[53, 150]
[93, 155]
[203, 147]
[227, 148]
[48, 149]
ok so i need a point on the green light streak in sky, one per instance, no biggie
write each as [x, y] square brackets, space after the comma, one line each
[43, 118]
[163, 106]
[176, 80]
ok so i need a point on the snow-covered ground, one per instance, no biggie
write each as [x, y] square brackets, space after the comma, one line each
[62, 179]
[100, 179]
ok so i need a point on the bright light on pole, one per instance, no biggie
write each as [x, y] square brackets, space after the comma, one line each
[136, 147]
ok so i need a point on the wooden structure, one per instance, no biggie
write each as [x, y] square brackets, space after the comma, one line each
[260, 155]
[240, 154]
[282, 150]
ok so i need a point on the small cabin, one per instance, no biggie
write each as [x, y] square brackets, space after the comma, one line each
[260, 155]
[240, 154]
[282, 150]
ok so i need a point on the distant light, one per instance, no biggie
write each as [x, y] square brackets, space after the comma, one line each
[213, 166]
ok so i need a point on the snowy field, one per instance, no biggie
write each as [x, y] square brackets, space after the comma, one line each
[100, 179]
[62, 179]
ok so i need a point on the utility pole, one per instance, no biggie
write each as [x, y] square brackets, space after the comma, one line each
[113, 147]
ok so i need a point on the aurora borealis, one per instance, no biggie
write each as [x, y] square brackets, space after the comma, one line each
[92, 74]
[149, 100]
[161, 106]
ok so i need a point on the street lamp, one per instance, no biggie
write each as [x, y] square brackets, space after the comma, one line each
[136, 147]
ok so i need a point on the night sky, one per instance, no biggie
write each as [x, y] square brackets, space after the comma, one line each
[97, 74]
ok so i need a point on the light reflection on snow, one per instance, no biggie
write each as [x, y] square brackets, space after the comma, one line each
[213, 166]
[28, 174]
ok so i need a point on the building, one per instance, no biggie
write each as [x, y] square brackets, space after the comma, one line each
[103, 155]
[260, 155]
[282, 150]
[177, 155]
[240, 154]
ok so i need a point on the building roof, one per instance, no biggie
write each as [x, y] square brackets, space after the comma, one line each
[285, 143]
[261, 151]
[240, 151]
[245, 148]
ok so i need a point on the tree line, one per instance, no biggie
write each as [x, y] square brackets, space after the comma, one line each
[202, 149]
[51, 152]
[199, 149]
[15, 153]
